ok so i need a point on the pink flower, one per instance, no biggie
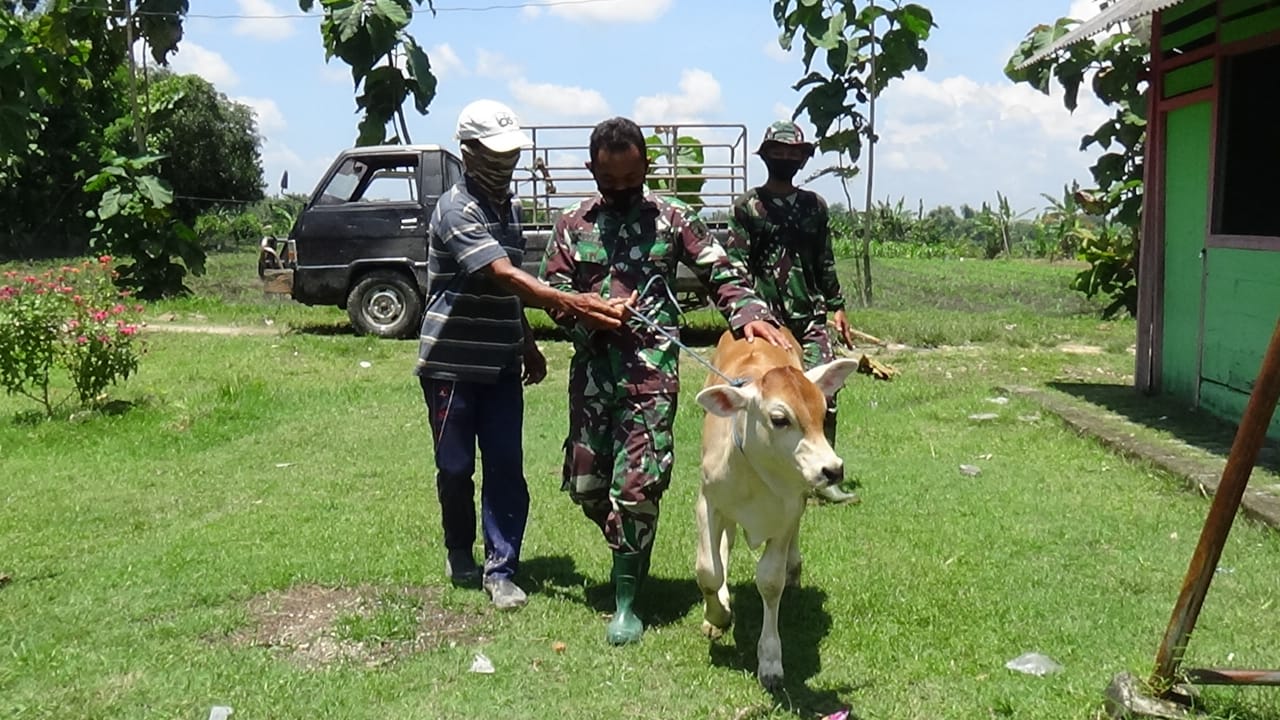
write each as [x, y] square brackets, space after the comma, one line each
[82, 340]
[104, 259]
[100, 315]
[117, 309]
[128, 330]
[104, 339]
[138, 308]
[11, 274]
[73, 323]
[30, 279]
[40, 291]
[78, 300]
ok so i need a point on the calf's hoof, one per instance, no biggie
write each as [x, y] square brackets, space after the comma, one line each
[713, 631]
[770, 680]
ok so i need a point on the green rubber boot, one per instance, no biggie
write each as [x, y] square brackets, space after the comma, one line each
[645, 556]
[625, 627]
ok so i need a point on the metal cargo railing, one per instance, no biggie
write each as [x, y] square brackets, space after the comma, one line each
[552, 174]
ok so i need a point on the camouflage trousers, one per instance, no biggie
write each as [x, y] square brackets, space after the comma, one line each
[617, 464]
[815, 343]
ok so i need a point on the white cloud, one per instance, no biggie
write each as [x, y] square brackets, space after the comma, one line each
[1083, 9]
[445, 62]
[278, 158]
[270, 119]
[614, 11]
[955, 140]
[774, 51]
[558, 101]
[699, 94]
[193, 59]
[495, 65]
[336, 72]
[261, 25]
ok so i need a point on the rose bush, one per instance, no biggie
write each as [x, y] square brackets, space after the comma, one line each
[72, 319]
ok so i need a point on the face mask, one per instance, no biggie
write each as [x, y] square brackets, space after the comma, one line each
[491, 171]
[622, 200]
[783, 168]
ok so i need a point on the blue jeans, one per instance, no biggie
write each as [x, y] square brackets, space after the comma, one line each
[463, 414]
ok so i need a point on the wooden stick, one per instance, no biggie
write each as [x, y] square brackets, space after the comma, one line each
[1217, 525]
[864, 336]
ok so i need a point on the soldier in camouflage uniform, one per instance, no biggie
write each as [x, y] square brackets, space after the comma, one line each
[780, 233]
[623, 384]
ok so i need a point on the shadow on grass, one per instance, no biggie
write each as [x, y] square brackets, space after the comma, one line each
[803, 622]
[324, 328]
[1194, 427]
[1235, 708]
[110, 408]
[661, 601]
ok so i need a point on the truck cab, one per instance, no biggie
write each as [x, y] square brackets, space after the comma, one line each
[360, 241]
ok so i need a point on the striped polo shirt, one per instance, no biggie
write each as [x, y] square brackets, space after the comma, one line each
[472, 329]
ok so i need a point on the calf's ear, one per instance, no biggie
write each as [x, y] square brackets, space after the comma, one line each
[830, 377]
[723, 400]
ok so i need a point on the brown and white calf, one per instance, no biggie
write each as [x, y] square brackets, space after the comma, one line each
[763, 453]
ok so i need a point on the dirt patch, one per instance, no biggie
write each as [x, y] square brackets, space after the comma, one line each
[236, 330]
[315, 626]
[1078, 349]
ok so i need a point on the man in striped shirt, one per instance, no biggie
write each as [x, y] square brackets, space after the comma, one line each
[475, 349]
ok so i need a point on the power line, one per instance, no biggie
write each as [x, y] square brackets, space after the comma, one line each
[420, 11]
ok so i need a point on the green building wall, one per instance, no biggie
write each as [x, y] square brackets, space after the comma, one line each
[1220, 304]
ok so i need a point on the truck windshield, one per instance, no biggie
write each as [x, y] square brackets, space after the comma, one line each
[373, 180]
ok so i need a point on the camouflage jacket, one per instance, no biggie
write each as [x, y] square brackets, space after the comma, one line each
[596, 250]
[786, 244]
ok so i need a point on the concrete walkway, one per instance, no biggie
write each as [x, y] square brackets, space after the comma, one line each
[1184, 442]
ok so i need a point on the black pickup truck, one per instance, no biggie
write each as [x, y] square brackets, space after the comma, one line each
[360, 243]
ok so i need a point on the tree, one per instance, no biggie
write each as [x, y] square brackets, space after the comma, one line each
[208, 145]
[860, 62]
[1115, 68]
[677, 164]
[364, 33]
[59, 162]
[57, 94]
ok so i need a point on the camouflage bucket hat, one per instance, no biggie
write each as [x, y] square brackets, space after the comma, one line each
[786, 133]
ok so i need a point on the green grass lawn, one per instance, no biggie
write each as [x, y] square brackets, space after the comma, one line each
[144, 543]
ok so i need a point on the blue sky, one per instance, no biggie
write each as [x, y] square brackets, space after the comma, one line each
[956, 133]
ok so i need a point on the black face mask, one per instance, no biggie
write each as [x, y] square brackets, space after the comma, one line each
[491, 171]
[783, 169]
[622, 199]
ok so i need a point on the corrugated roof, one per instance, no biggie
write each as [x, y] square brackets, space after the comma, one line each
[1118, 12]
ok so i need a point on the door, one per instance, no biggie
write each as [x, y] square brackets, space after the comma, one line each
[369, 209]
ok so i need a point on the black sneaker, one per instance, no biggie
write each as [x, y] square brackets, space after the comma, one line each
[462, 569]
[506, 595]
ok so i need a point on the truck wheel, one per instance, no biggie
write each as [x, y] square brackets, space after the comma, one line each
[384, 303]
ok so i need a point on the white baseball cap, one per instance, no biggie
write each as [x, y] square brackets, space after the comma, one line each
[495, 125]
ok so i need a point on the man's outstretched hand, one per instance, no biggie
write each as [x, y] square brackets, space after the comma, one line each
[597, 313]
